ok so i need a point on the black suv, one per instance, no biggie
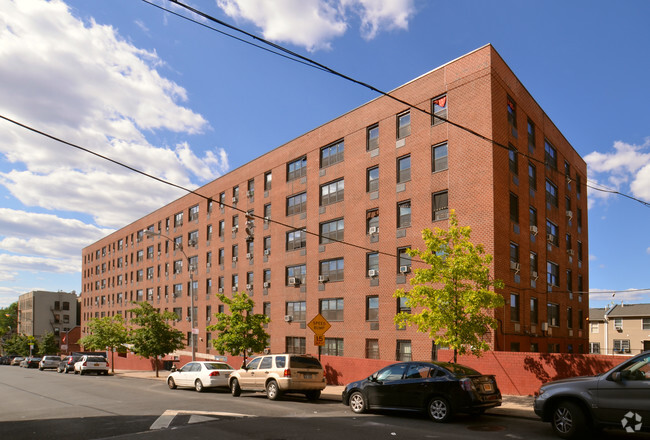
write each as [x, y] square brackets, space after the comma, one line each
[67, 364]
[618, 398]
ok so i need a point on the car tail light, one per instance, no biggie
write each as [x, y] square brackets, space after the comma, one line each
[85, 364]
[107, 365]
[287, 372]
[466, 384]
[214, 373]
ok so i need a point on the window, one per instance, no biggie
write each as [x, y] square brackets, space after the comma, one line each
[621, 345]
[149, 254]
[514, 307]
[618, 323]
[532, 216]
[331, 231]
[267, 245]
[222, 227]
[333, 347]
[580, 285]
[194, 213]
[222, 199]
[550, 155]
[533, 266]
[552, 233]
[404, 259]
[532, 176]
[192, 239]
[372, 262]
[512, 115]
[403, 125]
[514, 255]
[402, 306]
[331, 154]
[295, 345]
[267, 210]
[372, 308]
[221, 257]
[332, 270]
[568, 242]
[439, 157]
[332, 309]
[297, 310]
[579, 219]
[552, 274]
[440, 205]
[296, 204]
[235, 194]
[646, 324]
[234, 280]
[150, 273]
[439, 109]
[404, 169]
[372, 137]
[372, 179]
[594, 347]
[372, 220]
[178, 219]
[553, 314]
[534, 311]
[531, 136]
[268, 176]
[296, 239]
[513, 160]
[298, 272]
[235, 252]
[404, 214]
[551, 194]
[569, 317]
[403, 351]
[178, 290]
[250, 279]
[235, 223]
[208, 233]
[332, 192]
[297, 169]
[266, 276]
[514, 208]
[139, 256]
[208, 287]
[579, 251]
[567, 171]
[372, 349]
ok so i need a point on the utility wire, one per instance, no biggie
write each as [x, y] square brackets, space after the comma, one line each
[294, 56]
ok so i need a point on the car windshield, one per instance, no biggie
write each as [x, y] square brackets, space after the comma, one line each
[304, 362]
[218, 366]
[459, 370]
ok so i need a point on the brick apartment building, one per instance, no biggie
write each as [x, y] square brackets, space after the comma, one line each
[373, 177]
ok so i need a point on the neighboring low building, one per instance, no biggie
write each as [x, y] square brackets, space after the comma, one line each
[621, 329]
[42, 312]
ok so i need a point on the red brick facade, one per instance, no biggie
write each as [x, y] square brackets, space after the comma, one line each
[480, 183]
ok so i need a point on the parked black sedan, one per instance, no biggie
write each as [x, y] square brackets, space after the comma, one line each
[439, 388]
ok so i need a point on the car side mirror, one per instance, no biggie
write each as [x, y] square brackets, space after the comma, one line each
[173, 368]
[617, 376]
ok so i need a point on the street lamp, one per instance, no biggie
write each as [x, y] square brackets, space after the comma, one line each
[191, 269]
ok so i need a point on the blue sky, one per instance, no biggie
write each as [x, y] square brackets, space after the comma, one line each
[188, 104]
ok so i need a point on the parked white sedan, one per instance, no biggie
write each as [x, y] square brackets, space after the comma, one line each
[88, 364]
[200, 375]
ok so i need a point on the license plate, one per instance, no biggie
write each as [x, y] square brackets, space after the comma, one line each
[307, 375]
[488, 387]
[96, 365]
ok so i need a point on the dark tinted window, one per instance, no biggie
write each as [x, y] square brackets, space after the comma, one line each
[460, 370]
[304, 362]
[217, 366]
[393, 372]
[280, 361]
[95, 359]
[267, 362]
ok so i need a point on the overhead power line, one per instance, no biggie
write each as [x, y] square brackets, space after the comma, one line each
[294, 56]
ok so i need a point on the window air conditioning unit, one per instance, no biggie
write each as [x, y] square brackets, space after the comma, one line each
[267, 351]
[322, 278]
[288, 318]
[534, 275]
[234, 288]
[250, 193]
[372, 273]
[235, 228]
[267, 252]
[618, 328]
[234, 259]
[208, 319]
[550, 237]
[544, 326]
[208, 264]
[166, 274]
[266, 284]
[569, 214]
[234, 199]
[220, 205]
[294, 281]
[533, 230]
[404, 269]
[372, 230]
[266, 220]
[514, 266]
[569, 251]
[249, 256]
[249, 287]
[220, 289]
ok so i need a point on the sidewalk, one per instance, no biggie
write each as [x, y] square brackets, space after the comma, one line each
[512, 406]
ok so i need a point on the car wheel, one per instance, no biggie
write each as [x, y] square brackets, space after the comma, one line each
[312, 395]
[81, 372]
[171, 384]
[357, 402]
[439, 410]
[198, 385]
[568, 420]
[40, 368]
[235, 389]
[272, 390]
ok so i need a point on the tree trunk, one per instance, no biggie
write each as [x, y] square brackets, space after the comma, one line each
[156, 364]
[112, 360]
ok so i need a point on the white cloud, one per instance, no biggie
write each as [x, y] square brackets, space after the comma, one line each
[627, 296]
[628, 166]
[592, 257]
[313, 24]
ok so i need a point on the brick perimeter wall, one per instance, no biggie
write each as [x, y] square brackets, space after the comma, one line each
[516, 373]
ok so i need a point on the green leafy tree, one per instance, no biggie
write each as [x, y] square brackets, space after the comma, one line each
[154, 337]
[9, 319]
[107, 333]
[48, 345]
[19, 344]
[240, 330]
[453, 296]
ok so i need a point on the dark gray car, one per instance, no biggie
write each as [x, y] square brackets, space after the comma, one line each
[618, 398]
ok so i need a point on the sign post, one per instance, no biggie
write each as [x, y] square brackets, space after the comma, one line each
[319, 325]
